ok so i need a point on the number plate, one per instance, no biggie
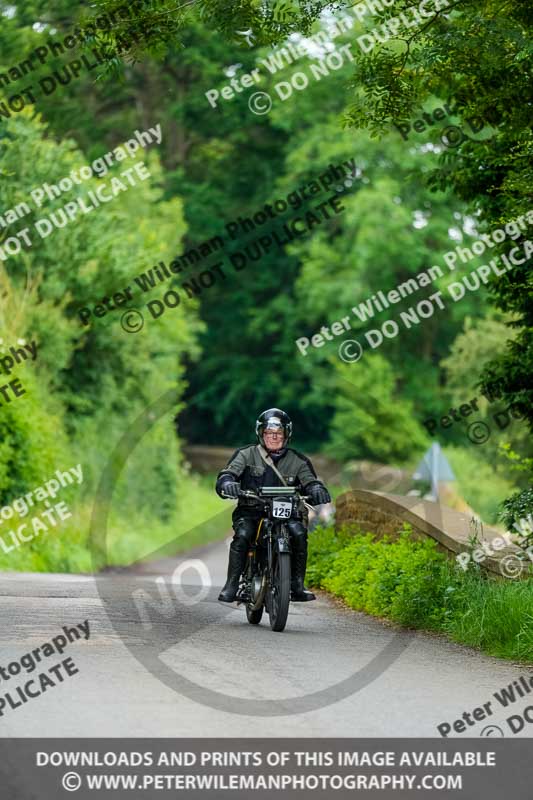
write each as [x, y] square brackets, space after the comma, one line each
[281, 510]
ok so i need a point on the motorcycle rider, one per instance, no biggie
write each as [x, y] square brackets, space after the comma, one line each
[248, 469]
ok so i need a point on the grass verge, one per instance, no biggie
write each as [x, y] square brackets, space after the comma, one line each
[133, 533]
[413, 584]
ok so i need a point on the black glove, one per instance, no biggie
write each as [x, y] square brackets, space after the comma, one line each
[319, 494]
[231, 489]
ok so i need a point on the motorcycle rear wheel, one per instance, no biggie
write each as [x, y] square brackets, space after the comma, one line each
[280, 592]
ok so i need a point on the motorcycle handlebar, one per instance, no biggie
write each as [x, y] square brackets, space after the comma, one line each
[253, 496]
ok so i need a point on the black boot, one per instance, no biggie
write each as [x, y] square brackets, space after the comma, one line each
[299, 593]
[237, 561]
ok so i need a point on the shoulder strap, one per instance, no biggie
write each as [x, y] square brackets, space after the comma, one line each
[266, 458]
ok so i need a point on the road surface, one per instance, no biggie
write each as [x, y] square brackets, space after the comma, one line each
[199, 669]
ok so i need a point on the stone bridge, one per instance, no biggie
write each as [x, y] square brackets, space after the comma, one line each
[381, 513]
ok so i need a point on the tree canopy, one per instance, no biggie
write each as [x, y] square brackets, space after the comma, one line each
[419, 189]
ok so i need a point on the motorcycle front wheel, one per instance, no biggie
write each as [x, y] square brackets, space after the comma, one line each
[280, 592]
[254, 616]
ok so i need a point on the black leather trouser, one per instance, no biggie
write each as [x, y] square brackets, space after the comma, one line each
[245, 526]
[245, 531]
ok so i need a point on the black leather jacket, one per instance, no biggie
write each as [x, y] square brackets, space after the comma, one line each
[249, 470]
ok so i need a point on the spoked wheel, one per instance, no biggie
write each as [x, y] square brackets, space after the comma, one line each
[254, 615]
[280, 592]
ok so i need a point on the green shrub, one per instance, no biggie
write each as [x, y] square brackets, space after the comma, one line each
[32, 442]
[410, 582]
[326, 544]
[517, 508]
[401, 579]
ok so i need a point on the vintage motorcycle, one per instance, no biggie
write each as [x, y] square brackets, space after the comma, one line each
[266, 580]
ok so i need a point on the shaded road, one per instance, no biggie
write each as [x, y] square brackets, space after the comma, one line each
[148, 638]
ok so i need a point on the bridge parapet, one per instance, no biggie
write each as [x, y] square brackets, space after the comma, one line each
[383, 514]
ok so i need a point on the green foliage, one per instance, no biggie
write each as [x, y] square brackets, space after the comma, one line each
[478, 341]
[326, 544]
[410, 582]
[494, 616]
[477, 56]
[517, 508]
[32, 436]
[482, 481]
[133, 534]
[159, 28]
[87, 385]
[31, 440]
[370, 419]
[397, 579]
[484, 478]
